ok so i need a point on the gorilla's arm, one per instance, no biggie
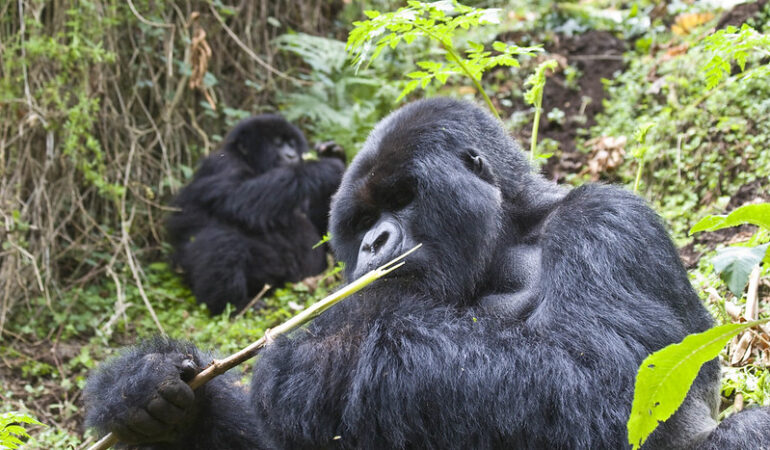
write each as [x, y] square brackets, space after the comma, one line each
[255, 202]
[324, 180]
[143, 398]
[271, 197]
[746, 429]
[448, 379]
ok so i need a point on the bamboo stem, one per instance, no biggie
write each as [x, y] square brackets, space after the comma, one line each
[218, 367]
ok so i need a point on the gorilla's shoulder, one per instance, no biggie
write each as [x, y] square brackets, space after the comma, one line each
[605, 207]
[593, 196]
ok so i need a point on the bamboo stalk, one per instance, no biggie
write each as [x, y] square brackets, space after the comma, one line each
[218, 367]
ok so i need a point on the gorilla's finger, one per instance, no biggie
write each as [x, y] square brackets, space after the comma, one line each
[177, 392]
[165, 411]
[188, 369]
[126, 435]
[142, 423]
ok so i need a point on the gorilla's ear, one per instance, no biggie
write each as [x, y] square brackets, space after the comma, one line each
[479, 165]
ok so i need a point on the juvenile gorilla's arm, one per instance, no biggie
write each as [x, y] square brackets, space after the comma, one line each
[271, 197]
[256, 202]
[142, 396]
[323, 177]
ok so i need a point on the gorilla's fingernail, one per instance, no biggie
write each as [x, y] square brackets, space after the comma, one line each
[188, 369]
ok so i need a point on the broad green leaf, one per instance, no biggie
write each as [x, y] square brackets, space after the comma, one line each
[736, 263]
[664, 378]
[758, 214]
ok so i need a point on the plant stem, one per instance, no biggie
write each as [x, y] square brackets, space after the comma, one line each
[638, 175]
[218, 367]
[535, 127]
[476, 82]
[451, 51]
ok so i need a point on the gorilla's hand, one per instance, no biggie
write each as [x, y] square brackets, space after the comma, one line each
[143, 396]
[331, 149]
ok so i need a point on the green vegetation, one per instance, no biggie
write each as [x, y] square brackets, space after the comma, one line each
[534, 96]
[665, 377]
[438, 21]
[11, 432]
[105, 109]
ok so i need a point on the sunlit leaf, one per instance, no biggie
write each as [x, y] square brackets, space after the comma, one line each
[758, 214]
[664, 378]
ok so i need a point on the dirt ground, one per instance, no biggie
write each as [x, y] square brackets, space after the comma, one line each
[741, 13]
[596, 55]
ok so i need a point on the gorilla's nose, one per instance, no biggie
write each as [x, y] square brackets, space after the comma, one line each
[380, 244]
[288, 154]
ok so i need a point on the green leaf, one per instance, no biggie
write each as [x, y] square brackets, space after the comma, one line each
[418, 74]
[499, 46]
[758, 214]
[534, 96]
[410, 86]
[736, 263]
[665, 377]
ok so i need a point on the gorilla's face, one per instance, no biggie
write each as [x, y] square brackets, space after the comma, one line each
[267, 141]
[415, 181]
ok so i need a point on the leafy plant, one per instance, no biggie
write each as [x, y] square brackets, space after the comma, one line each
[11, 432]
[439, 22]
[758, 214]
[340, 104]
[706, 144]
[534, 96]
[640, 152]
[733, 45]
[664, 378]
[736, 263]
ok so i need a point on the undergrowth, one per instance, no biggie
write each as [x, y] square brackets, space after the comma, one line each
[90, 326]
[705, 143]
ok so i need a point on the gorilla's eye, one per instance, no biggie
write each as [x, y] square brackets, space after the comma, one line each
[363, 220]
[479, 165]
[400, 195]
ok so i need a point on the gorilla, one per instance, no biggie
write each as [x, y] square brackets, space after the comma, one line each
[520, 323]
[253, 213]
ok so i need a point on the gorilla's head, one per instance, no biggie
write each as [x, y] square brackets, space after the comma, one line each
[266, 141]
[439, 172]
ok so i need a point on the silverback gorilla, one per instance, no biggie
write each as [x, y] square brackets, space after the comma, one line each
[253, 213]
[520, 323]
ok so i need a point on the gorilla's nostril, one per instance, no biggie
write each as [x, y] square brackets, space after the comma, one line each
[381, 239]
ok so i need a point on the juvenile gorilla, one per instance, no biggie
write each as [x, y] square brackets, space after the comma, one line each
[253, 213]
[520, 323]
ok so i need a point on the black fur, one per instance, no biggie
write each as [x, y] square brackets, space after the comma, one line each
[252, 214]
[519, 324]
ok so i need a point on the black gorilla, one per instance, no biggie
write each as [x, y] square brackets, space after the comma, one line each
[253, 213]
[519, 324]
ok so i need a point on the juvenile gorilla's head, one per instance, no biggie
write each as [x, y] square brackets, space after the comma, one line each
[266, 141]
[437, 172]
